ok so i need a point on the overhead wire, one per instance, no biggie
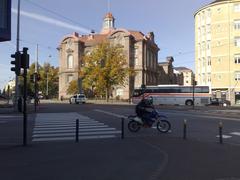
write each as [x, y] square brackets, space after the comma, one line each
[59, 15]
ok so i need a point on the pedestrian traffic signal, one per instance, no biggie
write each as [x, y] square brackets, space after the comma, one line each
[16, 63]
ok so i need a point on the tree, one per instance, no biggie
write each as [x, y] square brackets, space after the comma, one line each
[104, 68]
[48, 83]
[48, 78]
[73, 87]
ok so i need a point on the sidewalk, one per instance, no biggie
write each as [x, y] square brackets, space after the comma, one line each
[115, 159]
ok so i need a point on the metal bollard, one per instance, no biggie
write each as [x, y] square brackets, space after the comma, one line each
[185, 129]
[220, 132]
[122, 128]
[77, 130]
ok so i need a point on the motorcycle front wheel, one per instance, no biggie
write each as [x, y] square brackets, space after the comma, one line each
[133, 126]
[163, 126]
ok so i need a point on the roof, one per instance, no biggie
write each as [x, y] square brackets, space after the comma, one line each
[109, 15]
[182, 69]
[93, 38]
[216, 1]
[137, 35]
[163, 63]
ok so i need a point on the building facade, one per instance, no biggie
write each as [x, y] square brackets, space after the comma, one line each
[217, 47]
[165, 72]
[141, 52]
[185, 76]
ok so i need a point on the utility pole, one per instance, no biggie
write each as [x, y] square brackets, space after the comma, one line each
[193, 91]
[35, 81]
[17, 94]
[47, 87]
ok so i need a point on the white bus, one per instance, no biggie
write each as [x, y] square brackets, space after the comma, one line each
[173, 95]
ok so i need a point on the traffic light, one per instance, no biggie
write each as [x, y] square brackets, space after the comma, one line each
[25, 59]
[17, 63]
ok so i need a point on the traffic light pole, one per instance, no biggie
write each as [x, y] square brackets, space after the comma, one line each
[25, 66]
[35, 92]
[25, 107]
[21, 61]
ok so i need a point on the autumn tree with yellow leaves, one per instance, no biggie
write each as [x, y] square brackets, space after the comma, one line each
[105, 67]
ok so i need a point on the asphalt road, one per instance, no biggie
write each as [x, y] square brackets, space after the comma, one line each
[101, 153]
[202, 125]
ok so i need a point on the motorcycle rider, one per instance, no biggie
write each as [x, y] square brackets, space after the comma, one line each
[144, 110]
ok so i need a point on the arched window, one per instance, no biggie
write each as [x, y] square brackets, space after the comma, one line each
[70, 61]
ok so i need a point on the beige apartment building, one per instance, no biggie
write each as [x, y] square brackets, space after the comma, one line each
[217, 47]
[140, 49]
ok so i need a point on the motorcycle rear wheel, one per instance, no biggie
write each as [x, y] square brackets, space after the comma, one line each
[163, 126]
[134, 126]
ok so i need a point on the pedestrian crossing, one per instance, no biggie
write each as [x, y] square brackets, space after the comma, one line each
[62, 126]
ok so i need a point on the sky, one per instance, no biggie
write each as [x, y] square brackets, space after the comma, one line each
[45, 23]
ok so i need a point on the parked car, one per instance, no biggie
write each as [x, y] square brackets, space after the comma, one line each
[78, 98]
[219, 102]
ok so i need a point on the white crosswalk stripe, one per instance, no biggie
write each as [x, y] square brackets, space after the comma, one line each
[62, 126]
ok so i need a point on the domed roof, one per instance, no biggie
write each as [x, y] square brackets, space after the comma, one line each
[109, 15]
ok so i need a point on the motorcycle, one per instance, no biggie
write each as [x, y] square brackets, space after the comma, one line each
[163, 125]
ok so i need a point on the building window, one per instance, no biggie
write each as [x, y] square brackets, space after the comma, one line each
[203, 16]
[203, 62]
[237, 24]
[237, 59]
[209, 77]
[208, 29]
[219, 77]
[237, 76]
[69, 78]
[70, 61]
[209, 61]
[237, 41]
[236, 7]
[208, 45]
[219, 60]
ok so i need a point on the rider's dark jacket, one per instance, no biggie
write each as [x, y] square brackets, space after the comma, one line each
[144, 108]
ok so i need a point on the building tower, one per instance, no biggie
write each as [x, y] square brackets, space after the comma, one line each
[108, 23]
[217, 48]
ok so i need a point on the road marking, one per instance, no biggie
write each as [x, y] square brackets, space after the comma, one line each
[110, 113]
[71, 127]
[224, 136]
[235, 133]
[68, 125]
[73, 138]
[62, 126]
[201, 116]
[73, 134]
[71, 130]
[9, 116]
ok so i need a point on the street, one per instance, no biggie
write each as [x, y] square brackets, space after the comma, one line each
[101, 153]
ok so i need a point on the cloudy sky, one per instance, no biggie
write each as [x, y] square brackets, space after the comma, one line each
[45, 23]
